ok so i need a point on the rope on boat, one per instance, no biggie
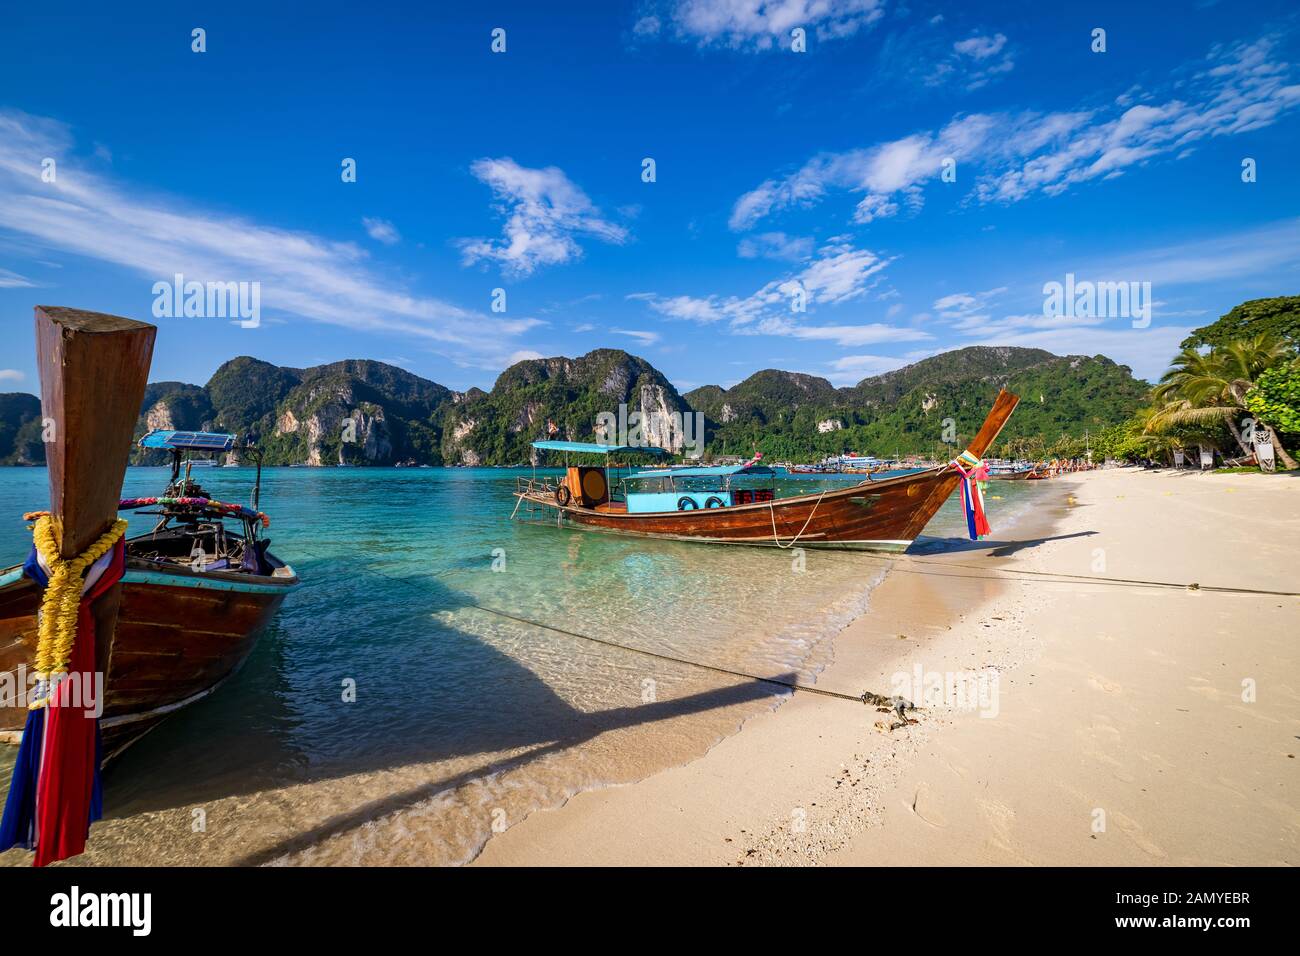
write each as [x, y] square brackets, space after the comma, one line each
[771, 510]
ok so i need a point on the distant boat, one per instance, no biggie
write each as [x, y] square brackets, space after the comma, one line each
[1010, 471]
[738, 505]
[200, 463]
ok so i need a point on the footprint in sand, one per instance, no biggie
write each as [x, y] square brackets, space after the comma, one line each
[1001, 819]
[925, 805]
[1100, 683]
[1135, 833]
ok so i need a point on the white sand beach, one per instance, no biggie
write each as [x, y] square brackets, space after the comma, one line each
[1133, 724]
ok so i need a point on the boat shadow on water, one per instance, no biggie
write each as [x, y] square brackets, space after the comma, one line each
[281, 721]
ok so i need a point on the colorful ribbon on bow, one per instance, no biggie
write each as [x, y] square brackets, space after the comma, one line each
[54, 794]
[974, 478]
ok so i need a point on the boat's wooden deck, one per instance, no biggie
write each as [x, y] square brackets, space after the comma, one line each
[616, 507]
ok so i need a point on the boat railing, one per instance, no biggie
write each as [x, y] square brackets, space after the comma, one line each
[529, 485]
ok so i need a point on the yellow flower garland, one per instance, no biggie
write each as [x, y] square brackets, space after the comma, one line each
[62, 598]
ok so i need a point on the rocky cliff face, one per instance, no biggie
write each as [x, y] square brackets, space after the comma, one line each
[589, 398]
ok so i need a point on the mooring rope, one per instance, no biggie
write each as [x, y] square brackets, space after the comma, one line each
[771, 508]
[991, 574]
[866, 697]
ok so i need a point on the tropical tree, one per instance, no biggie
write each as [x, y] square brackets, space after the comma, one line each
[1207, 391]
[1275, 399]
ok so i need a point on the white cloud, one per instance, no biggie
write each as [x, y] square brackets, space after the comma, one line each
[1015, 155]
[301, 274]
[851, 369]
[381, 230]
[1227, 255]
[12, 280]
[880, 171]
[645, 338]
[647, 27]
[981, 48]
[839, 273]
[1146, 351]
[11, 375]
[544, 211]
[764, 24]
[775, 245]
[523, 355]
[849, 336]
[978, 60]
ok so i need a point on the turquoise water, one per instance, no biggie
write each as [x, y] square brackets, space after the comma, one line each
[463, 720]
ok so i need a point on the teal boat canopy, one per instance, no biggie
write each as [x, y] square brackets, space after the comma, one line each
[593, 449]
[193, 441]
[721, 471]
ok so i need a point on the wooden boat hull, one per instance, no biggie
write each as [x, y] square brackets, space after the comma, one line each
[179, 635]
[884, 515]
[1012, 475]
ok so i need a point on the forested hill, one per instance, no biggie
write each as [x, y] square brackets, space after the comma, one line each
[367, 412]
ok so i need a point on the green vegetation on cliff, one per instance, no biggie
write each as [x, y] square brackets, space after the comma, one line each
[20, 429]
[367, 412]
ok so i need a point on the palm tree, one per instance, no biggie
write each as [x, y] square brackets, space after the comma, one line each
[1202, 390]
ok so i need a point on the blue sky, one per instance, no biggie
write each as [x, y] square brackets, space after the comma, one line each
[775, 170]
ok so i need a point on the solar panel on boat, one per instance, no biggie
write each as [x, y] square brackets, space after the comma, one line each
[198, 441]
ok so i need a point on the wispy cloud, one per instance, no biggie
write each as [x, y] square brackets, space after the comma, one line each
[381, 230]
[1236, 89]
[978, 60]
[839, 273]
[644, 337]
[12, 280]
[544, 212]
[756, 24]
[156, 236]
[11, 375]
[775, 245]
[851, 369]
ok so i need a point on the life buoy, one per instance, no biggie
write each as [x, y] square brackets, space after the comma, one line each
[563, 495]
[714, 502]
[687, 503]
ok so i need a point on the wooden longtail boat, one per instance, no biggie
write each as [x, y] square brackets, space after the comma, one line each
[884, 515]
[195, 594]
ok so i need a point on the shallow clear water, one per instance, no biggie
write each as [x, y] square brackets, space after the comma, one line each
[463, 720]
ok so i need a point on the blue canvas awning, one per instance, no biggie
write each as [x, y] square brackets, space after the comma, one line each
[721, 471]
[591, 448]
[194, 441]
